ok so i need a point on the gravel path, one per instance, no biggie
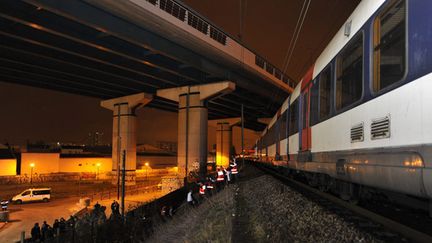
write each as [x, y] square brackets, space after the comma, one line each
[259, 208]
[277, 213]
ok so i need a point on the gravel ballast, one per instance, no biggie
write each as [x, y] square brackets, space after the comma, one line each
[277, 213]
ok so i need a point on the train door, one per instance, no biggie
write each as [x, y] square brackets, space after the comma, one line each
[304, 127]
[305, 131]
[277, 135]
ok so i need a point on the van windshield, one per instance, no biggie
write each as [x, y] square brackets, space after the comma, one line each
[25, 193]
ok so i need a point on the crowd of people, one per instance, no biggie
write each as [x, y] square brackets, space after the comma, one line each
[75, 224]
[214, 183]
[46, 231]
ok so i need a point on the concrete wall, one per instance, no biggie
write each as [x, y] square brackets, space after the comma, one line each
[7, 167]
[52, 163]
[87, 165]
[43, 163]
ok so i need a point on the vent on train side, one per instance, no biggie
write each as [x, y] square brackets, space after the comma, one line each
[357, 133]
[380, 128]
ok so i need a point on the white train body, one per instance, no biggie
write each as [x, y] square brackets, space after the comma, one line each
[377, 130]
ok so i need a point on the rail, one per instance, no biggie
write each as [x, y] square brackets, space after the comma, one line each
[404, 230]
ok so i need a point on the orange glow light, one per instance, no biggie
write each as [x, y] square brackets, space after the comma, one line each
[36, 26]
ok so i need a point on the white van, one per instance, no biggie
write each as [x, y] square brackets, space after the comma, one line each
[33, 194]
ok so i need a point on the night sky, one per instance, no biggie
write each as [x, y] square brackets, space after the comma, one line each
[35, 114]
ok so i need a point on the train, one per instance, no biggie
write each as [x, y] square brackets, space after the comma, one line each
[359, 122]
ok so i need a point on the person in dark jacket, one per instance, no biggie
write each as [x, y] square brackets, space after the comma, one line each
[115, 207]
[36, 232]
[56, 226]
[44, 231]
[62, 225]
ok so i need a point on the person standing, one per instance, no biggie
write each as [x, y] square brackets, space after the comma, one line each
[170, 211]
[62, 225]
[36, 232]
[219, 179]
[202, 190]
[228, 175]
[189, 198]
[44, 231]
[209, 184]
[56, 226]
[115, 208]
[234, 170]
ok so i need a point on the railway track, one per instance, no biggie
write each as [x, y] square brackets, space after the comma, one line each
[383, 227]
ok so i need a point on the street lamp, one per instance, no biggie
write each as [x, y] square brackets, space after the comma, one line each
[98, 166]
[32, 165]
[146, 166]
[79, 181]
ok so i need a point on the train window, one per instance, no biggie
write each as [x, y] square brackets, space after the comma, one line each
[293, 118]
[324, 93]
[389, 45]
[314, 102]
[283, 126]
[349, 79]
[271, 135]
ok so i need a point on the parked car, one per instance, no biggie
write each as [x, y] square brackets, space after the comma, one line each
[33, 194]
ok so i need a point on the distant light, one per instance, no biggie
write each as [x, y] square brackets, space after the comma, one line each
[98, 164]
[36, 26]
[146, 164]
[32, 165]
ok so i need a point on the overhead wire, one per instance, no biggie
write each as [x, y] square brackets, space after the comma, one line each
[293, 35]
[293, 42]
[297, 35]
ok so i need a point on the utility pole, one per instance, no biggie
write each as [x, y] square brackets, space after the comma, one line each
[118, 152]
[187, 136]
[123, 185]
[242, 134]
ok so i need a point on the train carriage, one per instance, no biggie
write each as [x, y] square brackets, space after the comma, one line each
[361, 115]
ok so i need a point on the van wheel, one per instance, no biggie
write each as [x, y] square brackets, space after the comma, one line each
[45, 200]
[18, 202]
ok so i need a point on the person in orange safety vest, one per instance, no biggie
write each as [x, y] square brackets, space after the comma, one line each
[220, 179]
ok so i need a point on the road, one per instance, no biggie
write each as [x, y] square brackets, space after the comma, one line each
[23, 217]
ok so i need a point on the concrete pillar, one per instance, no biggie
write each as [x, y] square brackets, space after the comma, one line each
[224, 139]
[192, 122]
[124, 131]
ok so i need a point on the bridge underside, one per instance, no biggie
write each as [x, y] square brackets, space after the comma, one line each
[74, 47]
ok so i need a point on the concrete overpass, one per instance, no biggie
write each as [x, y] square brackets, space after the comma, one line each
[109, 49]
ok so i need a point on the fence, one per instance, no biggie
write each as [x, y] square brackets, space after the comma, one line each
[130, 190]
[137, 225]
[50, 177]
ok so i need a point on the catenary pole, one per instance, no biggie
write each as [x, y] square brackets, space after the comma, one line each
[123, 185]
[242, 134]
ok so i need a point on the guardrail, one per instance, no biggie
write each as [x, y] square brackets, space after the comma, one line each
[197, 22]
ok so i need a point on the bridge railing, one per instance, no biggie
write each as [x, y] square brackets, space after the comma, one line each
[197, 22]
